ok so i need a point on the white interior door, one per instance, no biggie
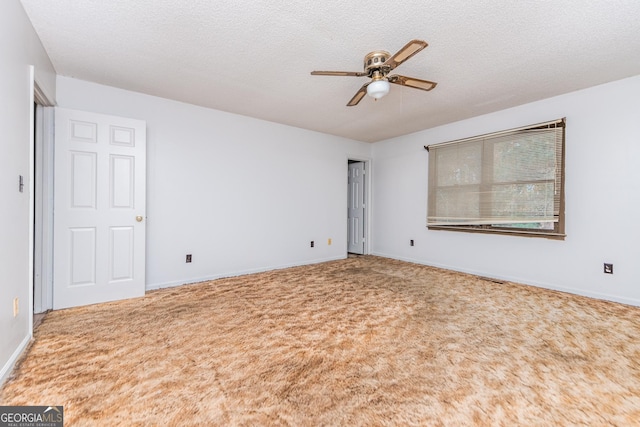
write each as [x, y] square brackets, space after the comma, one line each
[355, 215]
[99, 208]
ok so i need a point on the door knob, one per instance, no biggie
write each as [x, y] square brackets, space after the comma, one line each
[139, 218]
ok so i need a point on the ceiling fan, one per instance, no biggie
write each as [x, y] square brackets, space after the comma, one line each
[377, 65]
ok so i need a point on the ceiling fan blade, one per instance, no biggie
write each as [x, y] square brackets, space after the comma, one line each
[410, 49]
[412, 82]
[338, 73]
[359, 95]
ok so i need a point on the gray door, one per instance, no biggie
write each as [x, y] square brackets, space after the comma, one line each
[355, 215]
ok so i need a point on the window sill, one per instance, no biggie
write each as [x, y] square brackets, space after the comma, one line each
[522, 233]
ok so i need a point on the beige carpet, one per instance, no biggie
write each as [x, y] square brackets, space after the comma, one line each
[364, 341]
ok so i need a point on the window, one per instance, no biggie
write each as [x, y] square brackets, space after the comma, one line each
[505, 182]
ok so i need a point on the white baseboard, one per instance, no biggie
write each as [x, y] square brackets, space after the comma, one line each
[7, 369]
[518, 280]
[154, 286]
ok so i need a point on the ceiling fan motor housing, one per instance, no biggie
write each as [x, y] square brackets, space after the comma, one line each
[373, 61]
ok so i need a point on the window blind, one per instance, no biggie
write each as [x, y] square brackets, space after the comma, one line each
[508, 178]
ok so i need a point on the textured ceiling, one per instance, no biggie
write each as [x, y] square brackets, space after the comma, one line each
[254, 57]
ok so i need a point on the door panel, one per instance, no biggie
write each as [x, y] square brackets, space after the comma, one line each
[121, 251]
[99, 184]
[121, 186]
[83, 180]
[82, 261]
[356, 208]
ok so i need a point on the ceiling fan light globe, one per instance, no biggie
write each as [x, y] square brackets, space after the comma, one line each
[377, 89]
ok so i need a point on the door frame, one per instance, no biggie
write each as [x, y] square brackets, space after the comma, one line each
[42, 199]
[368, 197]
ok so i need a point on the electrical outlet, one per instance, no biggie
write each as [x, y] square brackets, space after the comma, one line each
[411, 242]
[329, 242]
[188, 258]
[16, 306]
[312, 244]
[608, 268]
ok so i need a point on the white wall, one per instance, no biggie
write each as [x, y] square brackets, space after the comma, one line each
[602, 199]
[19, 50]
[240, 194]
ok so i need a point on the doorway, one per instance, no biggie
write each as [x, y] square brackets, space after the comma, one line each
[357, 206]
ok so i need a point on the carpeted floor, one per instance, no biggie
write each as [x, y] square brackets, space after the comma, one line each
[365, 341]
